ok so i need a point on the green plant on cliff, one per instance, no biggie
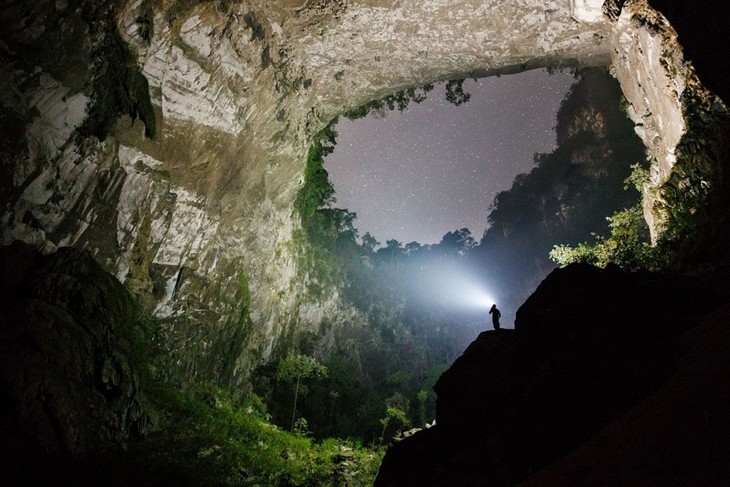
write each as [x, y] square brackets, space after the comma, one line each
[687, 197]
[326, 231]
[628, 243]
[685, 202]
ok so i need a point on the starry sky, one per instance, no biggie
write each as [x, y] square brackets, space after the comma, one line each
[435, 168]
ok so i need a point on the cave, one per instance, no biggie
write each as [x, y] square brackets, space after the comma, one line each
[168, 140]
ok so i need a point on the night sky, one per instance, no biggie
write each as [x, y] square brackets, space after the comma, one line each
[437, 167]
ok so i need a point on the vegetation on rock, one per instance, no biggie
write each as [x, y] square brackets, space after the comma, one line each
[685, 204]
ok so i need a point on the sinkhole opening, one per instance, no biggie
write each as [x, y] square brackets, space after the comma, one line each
[460, 197]
[435, 167]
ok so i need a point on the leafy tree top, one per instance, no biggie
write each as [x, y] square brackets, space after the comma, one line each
[297, 366]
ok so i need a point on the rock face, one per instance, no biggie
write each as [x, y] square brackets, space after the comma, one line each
[67, 381]
[589, 347]
[197, 221]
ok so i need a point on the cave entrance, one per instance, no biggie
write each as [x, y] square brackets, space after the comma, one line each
[538, 159]
[436, 166]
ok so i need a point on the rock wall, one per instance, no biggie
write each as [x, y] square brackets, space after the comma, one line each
[657, 80]
[68, 376]
[197, 220]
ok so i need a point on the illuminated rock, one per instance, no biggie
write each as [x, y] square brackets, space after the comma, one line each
[189, 219]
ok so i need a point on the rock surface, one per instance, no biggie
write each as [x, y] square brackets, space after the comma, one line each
[593, 352]
[198, 221]
[68, 382]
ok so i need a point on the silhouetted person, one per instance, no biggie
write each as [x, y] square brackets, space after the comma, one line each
[496, 314]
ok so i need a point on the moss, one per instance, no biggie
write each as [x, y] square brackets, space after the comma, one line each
[139, 282]
[686, 197]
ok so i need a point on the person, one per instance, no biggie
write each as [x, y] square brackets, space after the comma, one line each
[496, 314]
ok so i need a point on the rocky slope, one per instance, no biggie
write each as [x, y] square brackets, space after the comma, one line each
[67, 373]
[168, 137]
[623, 370]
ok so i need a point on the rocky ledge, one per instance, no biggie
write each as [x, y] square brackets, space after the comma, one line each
[609, 378]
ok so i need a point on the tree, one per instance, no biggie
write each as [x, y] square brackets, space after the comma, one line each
[422, 397]
[296, 367]
[369, 243]
[393, 414]
[455, 93]
[413, 248]
[394, 249]
[458, 242]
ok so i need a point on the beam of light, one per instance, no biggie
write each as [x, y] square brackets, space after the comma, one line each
[456, 289]
[472, 295]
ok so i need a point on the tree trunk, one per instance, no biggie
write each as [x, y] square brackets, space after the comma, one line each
[294, 409]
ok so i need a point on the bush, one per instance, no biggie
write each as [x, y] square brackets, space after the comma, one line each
[627, 246]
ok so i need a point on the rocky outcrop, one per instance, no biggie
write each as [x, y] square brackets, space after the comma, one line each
[592, 349]
[677, 436]
[68, 378]
[197, 220]
[660, 86]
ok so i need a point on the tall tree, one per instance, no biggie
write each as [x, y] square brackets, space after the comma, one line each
[296, 367]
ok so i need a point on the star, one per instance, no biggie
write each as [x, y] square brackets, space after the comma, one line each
[444, 164]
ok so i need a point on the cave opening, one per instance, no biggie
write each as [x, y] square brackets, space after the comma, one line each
[469, 199]
[186, 387]
[437, 165]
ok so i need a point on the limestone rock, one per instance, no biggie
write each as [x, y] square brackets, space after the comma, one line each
[238, 89]
[588, 346]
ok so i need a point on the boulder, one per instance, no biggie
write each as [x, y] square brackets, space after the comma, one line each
[67, 373]
[588, 347]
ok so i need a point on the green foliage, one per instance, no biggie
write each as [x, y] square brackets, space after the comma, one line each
[329, 237]
[296, 367]
[397, 101]
[683, 204]
[638, 177]
[317, 191]
[393, 415]
[208, 437]
[213, 441]
[398, 378]
[400, 100]
[686, 197]
[455, 93]
[422, 397]
[627, 246]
